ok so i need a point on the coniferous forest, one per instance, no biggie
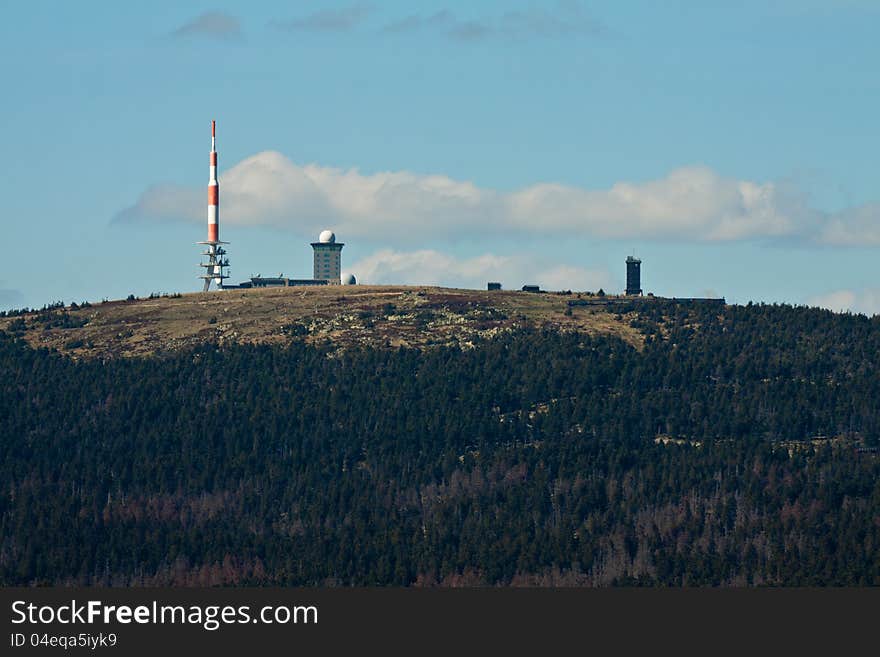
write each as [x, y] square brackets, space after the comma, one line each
[737, 447]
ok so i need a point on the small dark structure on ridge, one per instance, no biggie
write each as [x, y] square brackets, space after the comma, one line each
[633, 276]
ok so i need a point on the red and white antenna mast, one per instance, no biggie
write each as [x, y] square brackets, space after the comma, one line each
[213, 191]
[216, 265]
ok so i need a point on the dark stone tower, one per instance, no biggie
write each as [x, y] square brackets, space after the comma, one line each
[633, 276]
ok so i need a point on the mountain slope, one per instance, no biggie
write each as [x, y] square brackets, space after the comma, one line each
[733, 446]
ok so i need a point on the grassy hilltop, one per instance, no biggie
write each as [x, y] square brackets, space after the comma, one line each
[344, 316]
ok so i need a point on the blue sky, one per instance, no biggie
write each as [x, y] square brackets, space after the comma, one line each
[732, 146]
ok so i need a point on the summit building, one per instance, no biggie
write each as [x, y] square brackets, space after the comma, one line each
[328, 258]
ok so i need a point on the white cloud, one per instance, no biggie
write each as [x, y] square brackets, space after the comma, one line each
[853, 227]
[10, 298]
[856, 301]
[565, 19]
[429, 267]
[690, 203]
[327, 20]
[212, 24]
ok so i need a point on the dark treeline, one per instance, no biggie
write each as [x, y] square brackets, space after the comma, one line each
[736, 448]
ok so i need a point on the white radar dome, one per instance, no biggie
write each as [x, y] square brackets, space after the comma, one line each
[349, 279]
[327, 237]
